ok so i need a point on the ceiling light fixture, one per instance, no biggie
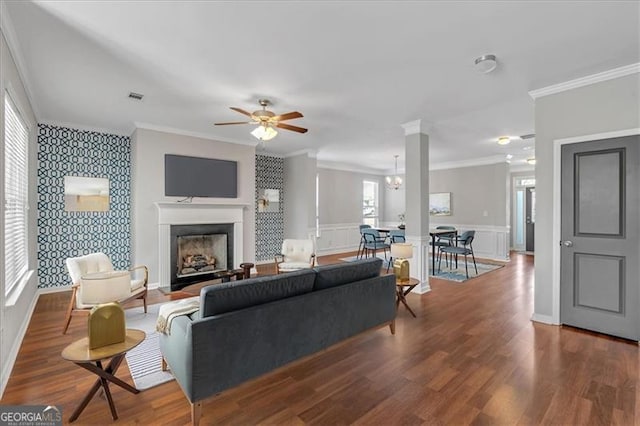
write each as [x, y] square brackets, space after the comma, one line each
[531, 161]
[264, 132]
[486, 63]
[504, 140]
[395, 181]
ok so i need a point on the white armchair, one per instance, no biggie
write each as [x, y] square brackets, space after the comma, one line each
[296, 255]
[95, 282]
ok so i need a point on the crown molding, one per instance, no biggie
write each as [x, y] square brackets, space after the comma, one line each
[483, 161]
[331, 165]
[415, 126]
[183, 132]
[513, 168]
[85, 128]
[311, 153]
[270, 154]
[8, 31]
[585, 81]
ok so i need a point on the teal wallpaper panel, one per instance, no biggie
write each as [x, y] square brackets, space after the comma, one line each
[64, 152]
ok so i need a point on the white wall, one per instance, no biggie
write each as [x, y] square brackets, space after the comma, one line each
[300, 192]
[341, 208]
[598, 108]
[148, 148]
[15, 311]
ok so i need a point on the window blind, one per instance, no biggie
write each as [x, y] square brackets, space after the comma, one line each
[16, 178]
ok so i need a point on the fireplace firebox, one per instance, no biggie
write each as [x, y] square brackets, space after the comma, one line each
[199, 252]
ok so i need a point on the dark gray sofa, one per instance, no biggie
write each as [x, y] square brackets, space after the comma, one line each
[247, 328]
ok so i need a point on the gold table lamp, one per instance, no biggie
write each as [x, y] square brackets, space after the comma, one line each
[400, 253]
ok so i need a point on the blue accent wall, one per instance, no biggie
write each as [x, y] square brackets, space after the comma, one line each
[64, 152]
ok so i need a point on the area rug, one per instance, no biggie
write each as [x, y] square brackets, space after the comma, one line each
[455, 274]
[145, 360]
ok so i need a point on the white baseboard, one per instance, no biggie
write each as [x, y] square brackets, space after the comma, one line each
[59, 289]
[15, 348]
[545, 319]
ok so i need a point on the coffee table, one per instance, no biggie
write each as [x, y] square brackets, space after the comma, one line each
[79, 353]
[402, 289]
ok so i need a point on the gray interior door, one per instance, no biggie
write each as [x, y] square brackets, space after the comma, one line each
[530, 218]
[600, 254]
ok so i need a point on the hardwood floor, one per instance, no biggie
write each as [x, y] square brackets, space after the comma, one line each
[472, 356]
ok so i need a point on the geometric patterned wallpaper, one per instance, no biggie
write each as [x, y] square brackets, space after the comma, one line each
[64, 152]
[269, 225]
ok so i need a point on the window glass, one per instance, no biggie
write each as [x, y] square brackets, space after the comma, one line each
[16, 138]
[370, 203]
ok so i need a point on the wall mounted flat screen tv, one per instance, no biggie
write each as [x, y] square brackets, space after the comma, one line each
[200, 177]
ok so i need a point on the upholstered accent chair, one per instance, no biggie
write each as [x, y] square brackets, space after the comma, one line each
[95, 282]
[296, 255]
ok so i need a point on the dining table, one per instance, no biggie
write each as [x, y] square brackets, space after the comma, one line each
[434, 234]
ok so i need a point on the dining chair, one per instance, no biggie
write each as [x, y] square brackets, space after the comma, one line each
[373, 242]
[361, 246]
[445, 240]
[395, 236]
[464, 248]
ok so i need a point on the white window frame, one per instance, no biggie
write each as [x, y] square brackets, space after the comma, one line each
[16, 160]
[367, 218]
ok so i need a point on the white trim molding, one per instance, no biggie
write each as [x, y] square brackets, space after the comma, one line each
[585, 81]
[483, 161]
[337, 238]
[349, 168]
[490, 242]
[544, 319]
[311, 153]
[557, 214]
[415, 126]
[183, 132]
[419, 264]
[7, 29]
[195, 213]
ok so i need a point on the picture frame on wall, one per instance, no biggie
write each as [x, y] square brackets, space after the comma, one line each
[440, 204]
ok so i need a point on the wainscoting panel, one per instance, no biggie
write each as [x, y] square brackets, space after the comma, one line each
[490, 242]
[64, 152]
[337, 238]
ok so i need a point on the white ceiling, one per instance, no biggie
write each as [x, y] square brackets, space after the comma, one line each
[357, 70]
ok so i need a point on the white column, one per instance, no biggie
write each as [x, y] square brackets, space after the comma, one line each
[417, 200]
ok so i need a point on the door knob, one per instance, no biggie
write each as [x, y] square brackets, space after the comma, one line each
[568, 243]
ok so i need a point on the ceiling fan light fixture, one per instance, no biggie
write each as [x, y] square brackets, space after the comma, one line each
[264, 132]
[486, 63]
[395, 181]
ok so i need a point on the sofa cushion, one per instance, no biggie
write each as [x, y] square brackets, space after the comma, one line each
[220, 298]
[334, 275]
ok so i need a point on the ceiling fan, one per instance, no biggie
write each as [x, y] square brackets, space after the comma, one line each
[266, 121]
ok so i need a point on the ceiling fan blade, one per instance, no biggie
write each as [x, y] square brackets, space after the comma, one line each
[241, 111]
[287, 116]
[233, 122]
[290, 127]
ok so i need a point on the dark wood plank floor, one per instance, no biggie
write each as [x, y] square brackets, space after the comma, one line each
[472, 356]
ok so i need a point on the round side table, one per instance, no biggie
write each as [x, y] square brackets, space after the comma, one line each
[402, 289]
[79, 353]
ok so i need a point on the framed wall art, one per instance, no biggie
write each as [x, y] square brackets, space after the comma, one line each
[440, 204]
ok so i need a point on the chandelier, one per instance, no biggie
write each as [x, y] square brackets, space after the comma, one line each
[395, 181]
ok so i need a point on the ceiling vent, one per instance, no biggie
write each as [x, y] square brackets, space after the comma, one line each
[529, 136]
[136, 96]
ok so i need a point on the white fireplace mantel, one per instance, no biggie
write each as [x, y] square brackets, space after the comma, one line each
[192, 214]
